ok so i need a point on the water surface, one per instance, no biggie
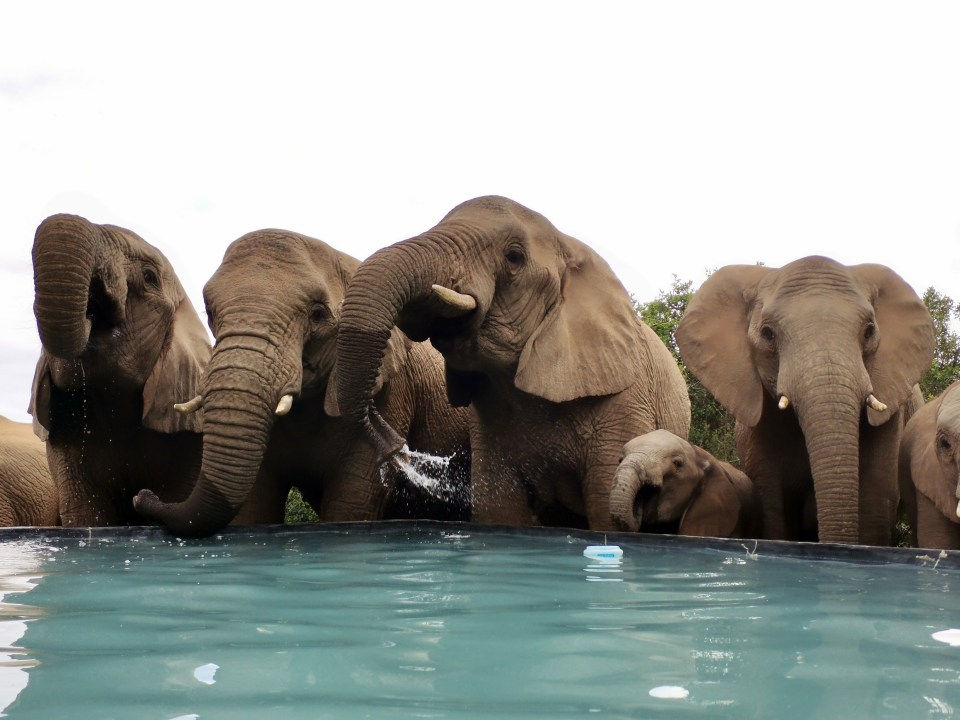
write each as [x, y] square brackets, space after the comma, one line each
[461, 622]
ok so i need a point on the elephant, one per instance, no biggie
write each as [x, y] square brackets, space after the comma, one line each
[667, 484]
[271, 419]
[817, 361]
[539, 339]
[930, 471]
[120, 342]
[28, 496]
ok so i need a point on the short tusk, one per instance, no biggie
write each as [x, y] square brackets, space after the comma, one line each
[875, 404]
[455, 303]
[958, 509]
[283, 407]
[190, 406]
[784, 402]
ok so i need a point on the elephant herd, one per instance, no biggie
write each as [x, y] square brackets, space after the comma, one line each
[495, 342]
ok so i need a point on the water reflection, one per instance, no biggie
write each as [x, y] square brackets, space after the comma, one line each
[21, 566]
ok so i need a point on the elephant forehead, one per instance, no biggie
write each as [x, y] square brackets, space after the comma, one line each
[655, 442]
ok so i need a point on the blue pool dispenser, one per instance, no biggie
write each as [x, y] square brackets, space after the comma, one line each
[603, 553]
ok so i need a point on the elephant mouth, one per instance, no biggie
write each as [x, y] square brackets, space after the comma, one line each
[645, 506]
[103, 312]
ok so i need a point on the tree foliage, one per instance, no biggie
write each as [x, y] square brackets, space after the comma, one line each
[711, 426]
[945, 368]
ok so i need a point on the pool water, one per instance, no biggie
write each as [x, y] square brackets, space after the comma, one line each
[454, 621]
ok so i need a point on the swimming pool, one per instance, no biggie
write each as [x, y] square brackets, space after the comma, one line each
[434, 620]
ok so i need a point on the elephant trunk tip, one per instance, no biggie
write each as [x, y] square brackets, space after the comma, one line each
[150, 506]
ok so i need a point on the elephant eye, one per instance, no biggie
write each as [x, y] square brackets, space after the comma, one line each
[514, 255]
[678, 463]
[869, 330]
[319, 313]
[767, 333]
[943, 443]
[150, 277]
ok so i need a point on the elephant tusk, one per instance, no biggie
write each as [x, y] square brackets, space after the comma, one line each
[784, 402]
[190, 406]
[875, 404]
[958, 509]
[453, 304]
[283, 407]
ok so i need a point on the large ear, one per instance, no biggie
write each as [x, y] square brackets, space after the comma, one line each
[906, 334]
[716, 510]
[589, 343]
[712, 337]
[175, 377]
[39, 406]
[396, 355]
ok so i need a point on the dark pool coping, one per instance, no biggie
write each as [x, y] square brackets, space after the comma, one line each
[859, 554]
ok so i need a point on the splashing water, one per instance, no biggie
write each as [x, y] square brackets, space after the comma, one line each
[428, 472]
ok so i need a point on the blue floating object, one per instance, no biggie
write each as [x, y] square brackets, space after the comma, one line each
[603, 552]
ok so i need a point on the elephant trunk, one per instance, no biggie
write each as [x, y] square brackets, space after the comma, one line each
[626, 508]
[829, 410]
[382, 286]
[238, 410]
[64, 260]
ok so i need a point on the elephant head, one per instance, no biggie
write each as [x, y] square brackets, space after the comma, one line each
[930, 471]
[501, 293]
[663, 481]
[825, 341]
[273, 306]
[111, 313]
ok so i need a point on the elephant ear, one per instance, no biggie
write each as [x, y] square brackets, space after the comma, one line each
[589, 343]
[716, 510]
[712, 337]
[395, 357]
[906, 333]
[39, 406]
[175, 377]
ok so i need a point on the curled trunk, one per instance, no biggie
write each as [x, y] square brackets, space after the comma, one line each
[380, 289]
[625, 511]
[64, 260]
[238, 416]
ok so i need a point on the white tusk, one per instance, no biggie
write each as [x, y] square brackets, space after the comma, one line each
[458, 303]
[784, 402]
[875, 404]
[283, 407]
[958, 509]
[190, 406]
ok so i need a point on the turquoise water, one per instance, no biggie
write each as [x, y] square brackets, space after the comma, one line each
[434, 622]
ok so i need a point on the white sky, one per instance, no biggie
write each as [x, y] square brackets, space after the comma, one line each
[673, 137]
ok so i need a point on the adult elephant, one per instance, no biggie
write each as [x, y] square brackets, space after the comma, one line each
[120, 343]
[667, 484]
[27, 493]
[930, 471]
[816, 360]
[538, 337]
[270, 413]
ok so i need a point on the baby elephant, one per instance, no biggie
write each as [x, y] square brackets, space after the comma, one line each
[665, 484]
[930, 471]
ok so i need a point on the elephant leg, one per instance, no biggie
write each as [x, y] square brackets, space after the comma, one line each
[932, 529]
[266, 503]
[356, 489]
[879, 488]
[497, 492]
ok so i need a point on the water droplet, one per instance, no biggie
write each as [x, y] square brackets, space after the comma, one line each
[669, 692]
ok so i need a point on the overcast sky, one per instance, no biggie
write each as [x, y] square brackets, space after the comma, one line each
[673, 137]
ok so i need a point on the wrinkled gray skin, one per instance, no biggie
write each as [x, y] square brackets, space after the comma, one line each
[930, 471]
[666, 484]
[27, 493]
[539, 338]
[817, 361]
[120, 344]
[274, 308]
